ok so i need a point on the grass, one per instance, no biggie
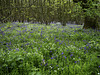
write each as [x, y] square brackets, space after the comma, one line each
[34, 49]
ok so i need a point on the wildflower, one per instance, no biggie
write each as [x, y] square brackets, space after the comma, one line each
[50, 51]
[10, 43]
[51, 67]
[46, 64]
[71, 55]
[65, 57]
[9, 49]
[62, 68]
[99, 66]
[84, 40]
[98, 73]
[62, 53]
[17, 49]
[85, 48]
[65, 45]
[57, 40]
[56, 65]
[58, 68]
[60, 43]
[55, 70]
[51, 57]
[84, 52]
[27, 44]
[41, 64]
[75, 61]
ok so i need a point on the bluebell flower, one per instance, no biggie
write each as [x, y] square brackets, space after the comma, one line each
[99, 66]
[87, 45]
[27, 44]
[46, 64]
[60, 43]
[84, 52]
[41, 64]
[91, 59]
[56, 65]
[85, 48]
[62, 53]
[50, 51]
[9, 49]
[57, 40]
[84, 40]
[17, 49]
[43, 60]
[51, 57]
[75, 61]
[71, 55]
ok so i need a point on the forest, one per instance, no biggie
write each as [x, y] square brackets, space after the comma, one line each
[49, 37]
[47, 11]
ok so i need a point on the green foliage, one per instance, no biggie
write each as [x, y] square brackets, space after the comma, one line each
[38, 49]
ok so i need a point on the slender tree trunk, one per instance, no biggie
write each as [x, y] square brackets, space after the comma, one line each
[63, 14]
[91, 23]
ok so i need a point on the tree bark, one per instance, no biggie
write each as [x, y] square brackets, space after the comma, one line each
[91, 23]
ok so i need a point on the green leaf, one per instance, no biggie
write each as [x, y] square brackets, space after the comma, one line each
[38, 73]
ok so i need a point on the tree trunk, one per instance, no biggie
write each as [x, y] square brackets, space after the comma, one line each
[91, 23]
[63, 23]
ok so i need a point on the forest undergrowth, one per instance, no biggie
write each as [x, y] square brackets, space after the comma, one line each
[35, 49]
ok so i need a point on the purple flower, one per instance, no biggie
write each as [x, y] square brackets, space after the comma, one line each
[65, 45]
[84, 40]
[85, 48]
[84, 52]
[75, 61]
[27, 44]
[60, 43]
[51, 57]
[46, 64]
[17, 49]
[99, 66]
[65, 57]
[41, 64]
[91, 59]
[50, 51]
[62, 53]
[50, 64]
[43, 60]
[56, 65]
[71, 55]
[57, 40]
[89, 46]
[9, 49]
[10, 43]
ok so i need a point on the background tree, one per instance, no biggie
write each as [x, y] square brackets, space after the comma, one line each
[46, 11]
[90, 8]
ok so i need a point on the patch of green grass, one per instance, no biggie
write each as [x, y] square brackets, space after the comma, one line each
[34, 49]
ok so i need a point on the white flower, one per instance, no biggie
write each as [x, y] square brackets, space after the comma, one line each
[50, 67]
[58, 68]
[98, 73]
[55, 70]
